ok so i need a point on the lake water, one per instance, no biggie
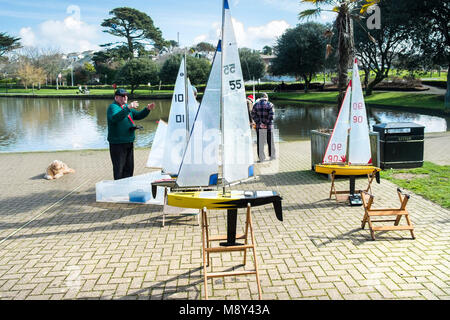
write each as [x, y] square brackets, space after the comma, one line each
[44, 124]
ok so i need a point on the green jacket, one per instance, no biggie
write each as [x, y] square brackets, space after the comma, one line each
[119, 125]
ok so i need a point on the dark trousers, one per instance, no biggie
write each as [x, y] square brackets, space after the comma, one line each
[263, 135]
[122, 157]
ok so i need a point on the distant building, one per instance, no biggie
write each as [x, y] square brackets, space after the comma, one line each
[165, 53]
[78, 59]
[268, 61]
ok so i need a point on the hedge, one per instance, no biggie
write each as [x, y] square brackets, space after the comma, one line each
[435, 83]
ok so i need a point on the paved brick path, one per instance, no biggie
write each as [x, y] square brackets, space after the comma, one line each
[56, 242]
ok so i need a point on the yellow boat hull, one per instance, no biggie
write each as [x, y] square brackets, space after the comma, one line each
[229, 200]
[345, 170]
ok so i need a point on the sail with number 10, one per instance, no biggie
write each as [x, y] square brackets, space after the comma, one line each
[171, 138]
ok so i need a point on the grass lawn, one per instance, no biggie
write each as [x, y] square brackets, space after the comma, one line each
[432, 181]
[393, 98]
[106, 92]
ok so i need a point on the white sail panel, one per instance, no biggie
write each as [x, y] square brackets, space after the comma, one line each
[359, 144]
[200, 162]
[193, 105]
[337, 145]
[237, 140]
[156, 154]
[175, 142]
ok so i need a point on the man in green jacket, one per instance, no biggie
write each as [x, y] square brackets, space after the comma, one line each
[121, 132]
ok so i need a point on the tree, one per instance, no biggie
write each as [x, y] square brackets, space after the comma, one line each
[267, 50]
[136, 27]
[80, 76]
[108, 63]
[204, 47]
[431, 32]
[197, 69]
[253, 66]
[90, 69]
[51, 61]
[378, 52]
[48, 59]
[346, 10]
[300, 52]
[138, 71]
[30, 75]
[8, 43]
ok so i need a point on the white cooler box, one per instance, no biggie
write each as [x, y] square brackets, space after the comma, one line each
[131, 190]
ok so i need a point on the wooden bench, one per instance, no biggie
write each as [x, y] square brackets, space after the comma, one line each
[369, 213]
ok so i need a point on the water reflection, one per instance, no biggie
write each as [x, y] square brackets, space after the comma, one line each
[70, 124]
[431, 123]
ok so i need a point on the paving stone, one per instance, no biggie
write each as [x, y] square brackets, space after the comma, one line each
[57, 243]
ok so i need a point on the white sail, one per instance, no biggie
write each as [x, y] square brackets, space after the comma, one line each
[337, 145]
[192, 103]
[359, 142]
[237, 154]
[156, 154]
[176, 135]
[200, 162]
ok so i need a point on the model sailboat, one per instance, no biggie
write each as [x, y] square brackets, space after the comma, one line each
[351, 123]
[219, 151]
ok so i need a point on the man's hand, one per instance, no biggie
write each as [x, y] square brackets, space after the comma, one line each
[151, 106]
[263, 126]
[133, 105]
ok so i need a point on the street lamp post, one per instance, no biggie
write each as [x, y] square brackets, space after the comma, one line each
[71, 73]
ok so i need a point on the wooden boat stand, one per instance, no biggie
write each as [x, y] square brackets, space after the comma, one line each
[228, 246]
[164, 213]
[398, 212]
[346, 194]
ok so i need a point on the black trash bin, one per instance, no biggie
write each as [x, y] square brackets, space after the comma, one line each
[401, 144]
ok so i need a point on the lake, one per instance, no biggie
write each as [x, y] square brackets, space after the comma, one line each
[50, 124]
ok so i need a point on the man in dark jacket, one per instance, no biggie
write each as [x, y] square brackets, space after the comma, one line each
[262, 114]
[121, 132]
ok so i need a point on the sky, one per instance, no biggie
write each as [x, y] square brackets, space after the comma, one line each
[75, 26]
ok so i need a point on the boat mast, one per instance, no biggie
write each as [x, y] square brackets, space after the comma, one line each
[221, 98]
[186, 98]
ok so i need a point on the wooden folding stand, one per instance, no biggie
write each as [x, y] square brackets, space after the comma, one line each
[398, 212]
[178, 211]
[207, 249]
[337, 194]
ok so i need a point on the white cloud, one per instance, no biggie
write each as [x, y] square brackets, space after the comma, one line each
[27, 37]
[69, 35]
[200, 38]
[266, 34]
[252, 37]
